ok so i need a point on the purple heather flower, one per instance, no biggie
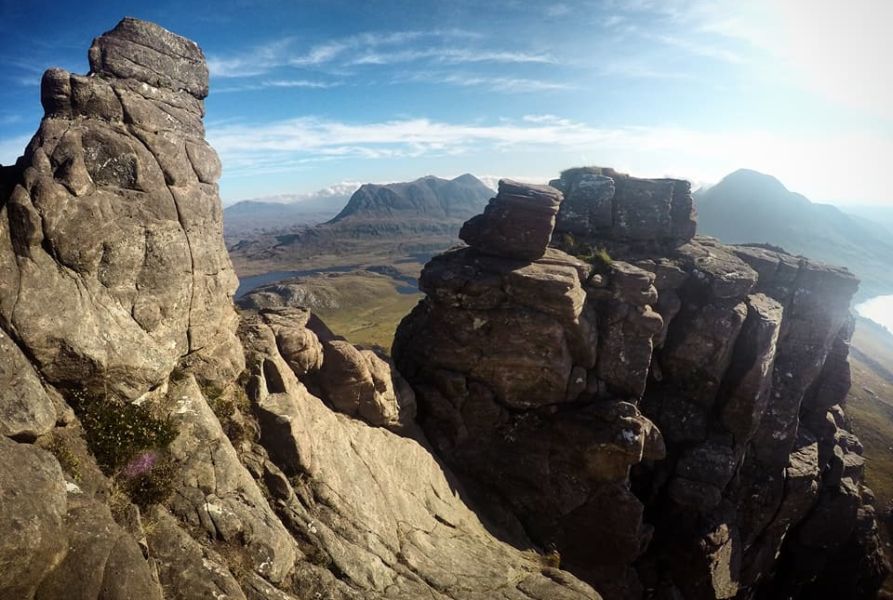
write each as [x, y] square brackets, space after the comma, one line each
[141, 464]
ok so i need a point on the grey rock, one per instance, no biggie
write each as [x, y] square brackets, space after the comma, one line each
[103, 560]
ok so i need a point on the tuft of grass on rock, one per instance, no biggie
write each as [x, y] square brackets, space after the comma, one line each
[130, 444]
[598, 257]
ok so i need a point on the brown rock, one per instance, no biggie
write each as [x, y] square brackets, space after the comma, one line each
[517, 223]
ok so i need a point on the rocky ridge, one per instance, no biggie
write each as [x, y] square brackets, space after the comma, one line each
[158, 445]
[666, 425]
[665, 413]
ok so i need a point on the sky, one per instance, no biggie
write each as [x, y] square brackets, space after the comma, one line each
[309, 93]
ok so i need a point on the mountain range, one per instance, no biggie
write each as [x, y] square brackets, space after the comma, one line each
[274, 213]
[751, 207]
[380, 222]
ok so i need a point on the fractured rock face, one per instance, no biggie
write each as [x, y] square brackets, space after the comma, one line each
[115, 219]
[705, 378]
[507, 359]
[625, 212]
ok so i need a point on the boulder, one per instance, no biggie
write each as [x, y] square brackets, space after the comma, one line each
[517, 223]
[26, 410]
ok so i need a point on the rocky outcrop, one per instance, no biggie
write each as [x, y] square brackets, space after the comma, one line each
[146, 451]
[114, 218]
[625, 214]
[665, 423]
[665, 413]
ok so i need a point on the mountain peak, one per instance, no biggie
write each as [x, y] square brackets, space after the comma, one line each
[755, 180]
[428, 197]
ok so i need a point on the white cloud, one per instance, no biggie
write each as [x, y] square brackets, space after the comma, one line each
[496, 84]
[714, 51]
[450, 56]
[845, 167]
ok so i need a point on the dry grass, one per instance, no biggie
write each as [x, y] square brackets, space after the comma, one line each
[870, 408]
[367, 306]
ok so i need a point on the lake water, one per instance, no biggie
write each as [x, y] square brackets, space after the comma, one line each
[879, 309]
[407, 284]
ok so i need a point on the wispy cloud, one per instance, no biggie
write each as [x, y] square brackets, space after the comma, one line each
[278, 83]
[507, 85]
[715, 51]
[286, 52]
[810, 164]
[428, 48]
[630, 68]
[451, 56]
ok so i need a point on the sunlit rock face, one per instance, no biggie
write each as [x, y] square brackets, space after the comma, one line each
[148, 452]
[662, 409]
[111, 252]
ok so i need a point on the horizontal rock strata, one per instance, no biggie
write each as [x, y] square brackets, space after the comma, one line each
[660, 408]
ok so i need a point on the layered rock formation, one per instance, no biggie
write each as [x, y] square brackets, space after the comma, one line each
[148, 452]
[664, 413]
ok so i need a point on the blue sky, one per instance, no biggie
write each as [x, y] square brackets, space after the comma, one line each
[309, 93]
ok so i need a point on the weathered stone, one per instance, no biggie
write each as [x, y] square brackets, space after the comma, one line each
[386, 534]
[298, 345]
[26, 410]
[699, 348]
[603, 204]
[144, 51]
[33, 504]
[103, 561]
[517, 223]
[747, 385]
[118, 227]
[187, 570]
[627, 326]
[216, 494]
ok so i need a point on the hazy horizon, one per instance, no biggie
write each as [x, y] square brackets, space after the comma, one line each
[305, 95]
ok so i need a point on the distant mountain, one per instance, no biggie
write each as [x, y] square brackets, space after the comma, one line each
[280, 213]
[380, 223]
[426, 198]
[876, 215]
[747, 206]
